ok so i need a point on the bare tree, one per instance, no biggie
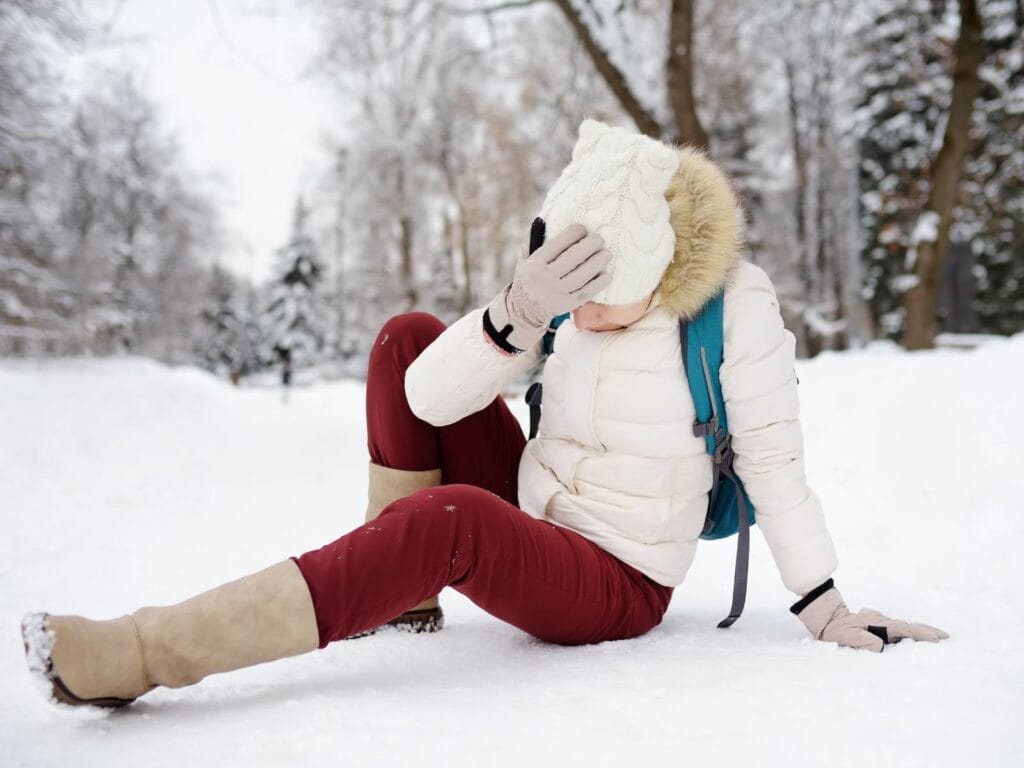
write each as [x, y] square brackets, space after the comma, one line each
[811, 41]
[603, 29]
[34, 36]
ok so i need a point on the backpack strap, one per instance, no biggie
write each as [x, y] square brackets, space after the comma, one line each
[702, 344]
[535, 394]
[533, 398]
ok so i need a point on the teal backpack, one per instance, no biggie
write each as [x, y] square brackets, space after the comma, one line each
[729, 509]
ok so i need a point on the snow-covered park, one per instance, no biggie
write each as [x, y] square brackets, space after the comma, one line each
[124, 482]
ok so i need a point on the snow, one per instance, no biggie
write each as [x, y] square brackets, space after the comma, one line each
[927, 228]
[904, 283]
[123, 483]
[821, 325]
[964, 340]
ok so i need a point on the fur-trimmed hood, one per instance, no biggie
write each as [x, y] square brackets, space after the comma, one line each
[708, 223]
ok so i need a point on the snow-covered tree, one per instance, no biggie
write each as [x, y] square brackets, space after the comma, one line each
[991, 213]
[695, 72]
[906, 55]
[297, 320]
[103, 235]
[926, 259]
[137, 233]
[34, 301]
[908, 86]
[231, 345]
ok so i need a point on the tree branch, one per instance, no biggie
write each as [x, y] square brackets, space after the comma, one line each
[458, 10]
[615, 80]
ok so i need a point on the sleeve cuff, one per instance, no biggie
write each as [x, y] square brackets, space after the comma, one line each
[499, 339]
[810, 597]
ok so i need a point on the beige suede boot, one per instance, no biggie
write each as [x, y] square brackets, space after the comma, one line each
[385, 486]
[262, 617]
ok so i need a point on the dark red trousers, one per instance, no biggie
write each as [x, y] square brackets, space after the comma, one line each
[467, 533]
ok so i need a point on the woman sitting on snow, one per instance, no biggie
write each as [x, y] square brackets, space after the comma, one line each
[577, 536]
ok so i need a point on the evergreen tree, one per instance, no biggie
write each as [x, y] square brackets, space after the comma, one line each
[297, 319]
[992, 211]
[906, 93]
[232, 344]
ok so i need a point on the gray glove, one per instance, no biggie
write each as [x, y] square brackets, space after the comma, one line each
[559, 276]
[826, 616]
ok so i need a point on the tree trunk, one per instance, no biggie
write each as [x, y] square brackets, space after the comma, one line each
[679, 75]
[799, 160]
[405, 237]
[466, 303]
[920, 301]
[408, 278]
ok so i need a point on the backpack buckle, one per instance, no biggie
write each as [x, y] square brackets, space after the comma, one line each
[723, 450]
[706, 428]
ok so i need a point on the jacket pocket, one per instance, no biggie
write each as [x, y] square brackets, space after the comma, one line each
[642, 519]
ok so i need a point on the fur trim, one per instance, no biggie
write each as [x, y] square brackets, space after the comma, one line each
[706, 217]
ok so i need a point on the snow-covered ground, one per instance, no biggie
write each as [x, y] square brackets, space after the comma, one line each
[125, 483]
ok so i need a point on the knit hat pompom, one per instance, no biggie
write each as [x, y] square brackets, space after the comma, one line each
[615, 187]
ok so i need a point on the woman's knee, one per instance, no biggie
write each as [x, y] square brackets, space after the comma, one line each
[457, 506]
[419, 327]
[401, 340]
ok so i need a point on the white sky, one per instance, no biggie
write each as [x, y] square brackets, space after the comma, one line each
[232, 93]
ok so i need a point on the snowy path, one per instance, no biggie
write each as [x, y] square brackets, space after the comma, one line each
[125, 483]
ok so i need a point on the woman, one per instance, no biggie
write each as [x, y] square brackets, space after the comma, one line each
[578, 536]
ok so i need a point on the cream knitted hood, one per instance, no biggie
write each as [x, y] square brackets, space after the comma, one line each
[667, 214]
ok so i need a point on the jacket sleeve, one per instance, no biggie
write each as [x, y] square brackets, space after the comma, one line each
[760, 391]
[461, 372]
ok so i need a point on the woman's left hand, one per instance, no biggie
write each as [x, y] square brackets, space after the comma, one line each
[826, 616]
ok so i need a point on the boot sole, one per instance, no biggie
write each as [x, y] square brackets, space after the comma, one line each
[40, 662]
[425, 620]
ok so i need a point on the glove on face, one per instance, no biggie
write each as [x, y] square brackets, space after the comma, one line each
[559, 276]
[826, 616]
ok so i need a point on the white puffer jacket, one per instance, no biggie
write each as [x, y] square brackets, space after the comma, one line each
[615, 459]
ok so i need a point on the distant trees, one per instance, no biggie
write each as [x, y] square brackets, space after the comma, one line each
[105, 241]
[442, 169]
[829, 117]
[34, 301]
[485, 99]
[137, 237]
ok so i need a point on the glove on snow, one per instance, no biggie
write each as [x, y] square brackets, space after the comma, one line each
[826, 616]
[559, 276]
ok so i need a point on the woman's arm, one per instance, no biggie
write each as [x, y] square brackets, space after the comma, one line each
[760, 391]
[759, 387]
[461, 372]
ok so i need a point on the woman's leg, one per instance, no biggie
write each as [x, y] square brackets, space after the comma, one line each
[408, 454]
[546, 580]
[468, 534]
[482, 449]
[261, 617]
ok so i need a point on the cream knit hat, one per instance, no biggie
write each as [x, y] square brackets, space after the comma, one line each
[615, 187]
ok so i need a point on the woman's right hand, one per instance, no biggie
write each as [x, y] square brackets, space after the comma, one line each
[562, 274]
